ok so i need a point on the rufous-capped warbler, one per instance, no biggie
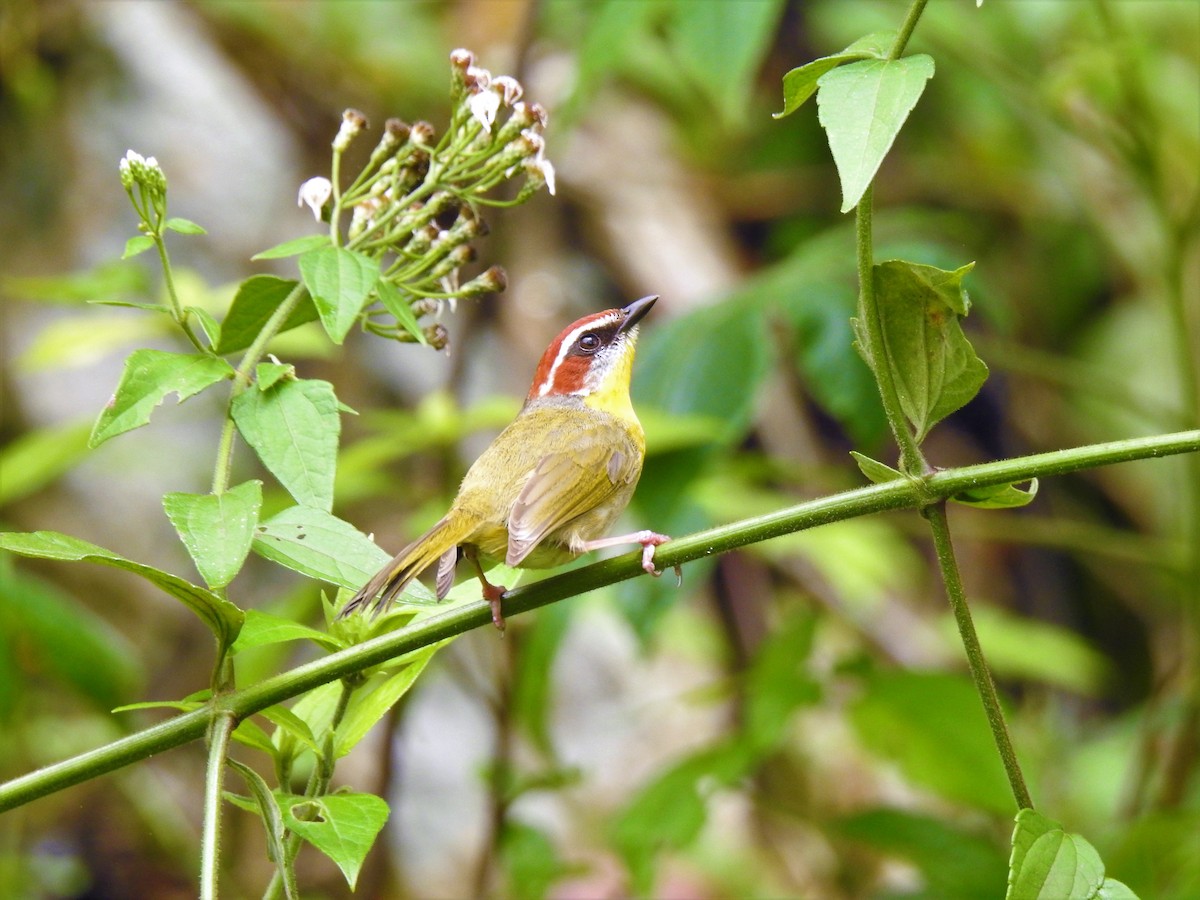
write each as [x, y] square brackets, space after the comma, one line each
[551, 483]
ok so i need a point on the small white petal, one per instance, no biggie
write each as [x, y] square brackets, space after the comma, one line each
[547, 168]
[509, 89]
[484, 107]
[315, 193]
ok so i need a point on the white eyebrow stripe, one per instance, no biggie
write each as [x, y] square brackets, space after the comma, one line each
[568, 341]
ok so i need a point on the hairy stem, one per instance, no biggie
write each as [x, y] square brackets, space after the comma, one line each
[936, 516]
[897, 494]
[223, 723]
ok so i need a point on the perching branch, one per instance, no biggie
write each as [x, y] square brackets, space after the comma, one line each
[898, 494]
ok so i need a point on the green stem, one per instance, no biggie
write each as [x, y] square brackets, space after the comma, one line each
[242, 380]
[912, 460]
[223, 723]
[177, 311]
[896, 494]
[318, 786]
[936, 516]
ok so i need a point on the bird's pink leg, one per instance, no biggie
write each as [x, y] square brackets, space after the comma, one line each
[648, 539]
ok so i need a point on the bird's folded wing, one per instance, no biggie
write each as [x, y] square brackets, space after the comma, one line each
[564, 486]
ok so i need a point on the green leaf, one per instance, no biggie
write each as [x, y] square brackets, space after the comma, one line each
[1024, 648]
[339, 281]
[801, 83]
[343, 826]
[148, 377]
[295, 247]
[532, 863]
[221, 616]
[320, 545]
[267, 375]
[262, 628]
[743, 31]
[184, 226]
[862, 107]
[933, 726]
[272, 816]
[997, 496]
[400, 310]
[106, 281]
[1048, 863]
[62, 640]
[292, 725]
[256, 300]
[37, 458]
[954, 862]
[933, 365]
[212, 328]
[250, 734]
[137, 245]
[216, 529]
[294, 429]
[778, 682]
[876, 472]
[670, 811]
[371, 702]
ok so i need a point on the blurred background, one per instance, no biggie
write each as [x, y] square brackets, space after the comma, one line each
[796, 719]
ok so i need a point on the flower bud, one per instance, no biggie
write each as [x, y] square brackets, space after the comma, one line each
[493, 281]
[353, 122]
[462, 59]
[422, 134]
[438, 336]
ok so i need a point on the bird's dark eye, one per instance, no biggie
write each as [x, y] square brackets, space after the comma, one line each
[589, 343]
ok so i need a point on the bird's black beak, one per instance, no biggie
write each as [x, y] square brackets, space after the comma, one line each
[635, 310]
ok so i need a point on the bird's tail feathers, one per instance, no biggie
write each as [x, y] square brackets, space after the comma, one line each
[390, 581]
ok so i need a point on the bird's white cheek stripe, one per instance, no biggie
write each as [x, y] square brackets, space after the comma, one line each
[564, 349]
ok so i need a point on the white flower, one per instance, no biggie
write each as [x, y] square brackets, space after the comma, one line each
[484, 107]
[547, 168]
[509, 89]
[315, 193]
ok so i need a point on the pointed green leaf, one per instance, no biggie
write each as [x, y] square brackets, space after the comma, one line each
[272, 816]
[933, 726]
[862, 107]
[876, 472]
[294, 429]
[64, 642]
[342, 826]
[295, 247]
[250, 734]
[261, 628]
[211, 327]
[339, 281]
[400, 310]
[184, 226]
[801, 83]
[997, 496]
[37, 458]
[287, 722]
[371, 702]
[932, 363]
[256, 300]
[743, 31]
[136, 245]
[148, 377]
[1049, 863]
[221, 616]
[216, 529]
[267, 375]
[320, 545]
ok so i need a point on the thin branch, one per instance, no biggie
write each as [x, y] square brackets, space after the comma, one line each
[897, 494]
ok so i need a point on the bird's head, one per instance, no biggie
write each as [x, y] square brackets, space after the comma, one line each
[592, 359]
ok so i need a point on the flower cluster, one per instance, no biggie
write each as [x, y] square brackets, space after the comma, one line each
[416, 203]
[146, 185]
